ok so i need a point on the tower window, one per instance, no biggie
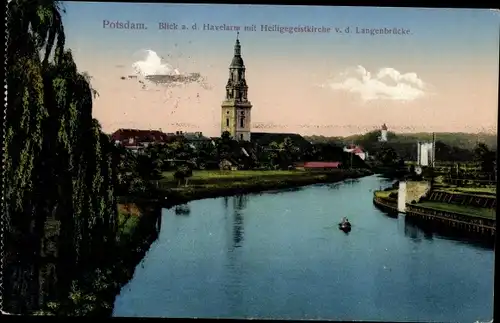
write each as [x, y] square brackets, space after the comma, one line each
[227, 112]
[241, 136]
[227, 122]
[242, 122]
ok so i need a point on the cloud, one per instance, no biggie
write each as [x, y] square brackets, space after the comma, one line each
[387, 84]
[152, 65]
[152, 68]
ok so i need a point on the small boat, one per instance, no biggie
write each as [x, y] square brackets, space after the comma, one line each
[345, 225]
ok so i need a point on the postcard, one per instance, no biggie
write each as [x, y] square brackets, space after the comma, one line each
[250, 161]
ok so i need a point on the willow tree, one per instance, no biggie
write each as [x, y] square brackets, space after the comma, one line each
[59, 165]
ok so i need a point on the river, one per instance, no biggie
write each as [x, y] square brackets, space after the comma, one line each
[281, 255]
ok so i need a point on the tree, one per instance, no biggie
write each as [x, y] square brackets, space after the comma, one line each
[273, 154]
[183, 173]
[486, 157]
[206, 153]
[225, 146]
[49, 132]
[289, 152]
[148, 167]
[387, 156]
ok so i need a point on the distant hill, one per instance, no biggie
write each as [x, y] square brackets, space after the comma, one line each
[455, 139]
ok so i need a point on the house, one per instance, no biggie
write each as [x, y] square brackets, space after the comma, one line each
[196, 139]
[319, 165]
[356, 150]
[136, 139]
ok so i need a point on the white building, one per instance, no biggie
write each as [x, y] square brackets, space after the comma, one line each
[425, 153]
[383, 133]
[356, 150]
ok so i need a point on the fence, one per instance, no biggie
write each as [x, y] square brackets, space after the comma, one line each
[463, 199]
[467, 222]
[479, 225]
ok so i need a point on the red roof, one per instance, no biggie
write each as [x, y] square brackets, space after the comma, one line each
[384, 127]
[139, 135]
[356, 149]
[322, 164]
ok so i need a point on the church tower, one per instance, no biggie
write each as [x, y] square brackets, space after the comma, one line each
[236, 109]
[383, 133]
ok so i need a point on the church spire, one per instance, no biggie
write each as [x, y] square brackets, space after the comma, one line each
[237, 46]
[237, 61]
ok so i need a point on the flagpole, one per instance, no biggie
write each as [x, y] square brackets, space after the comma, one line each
[433, 149]
[352, 152]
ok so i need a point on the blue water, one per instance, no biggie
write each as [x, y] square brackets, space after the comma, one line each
[281, 255]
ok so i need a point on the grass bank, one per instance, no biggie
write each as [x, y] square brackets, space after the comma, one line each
[386, 194]
[389, 196]
[460, 209]
[210, 184]
[482, 191]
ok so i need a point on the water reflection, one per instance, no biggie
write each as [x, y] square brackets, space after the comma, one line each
[182, 209]
[235, 216]
[350, 181]
[280, 191]
[234, 207]
[417, 229]
[388, 212]
[239, 204]
[334, 186]
[412, 231]
[281, 256]
[158, 223]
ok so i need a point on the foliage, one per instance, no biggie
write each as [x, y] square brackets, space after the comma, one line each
[486, 158]
[60, 166]
[183, 173]
[207, 155]
[461, 140]
[449, 146]
[387, 156]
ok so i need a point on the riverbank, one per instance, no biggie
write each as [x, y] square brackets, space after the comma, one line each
[227, 183]
[389, 172]
[387, 201]
[440, 207]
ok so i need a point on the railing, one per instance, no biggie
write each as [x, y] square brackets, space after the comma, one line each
[460, 198]
[474, 222]
[393, 206]
[470, 182]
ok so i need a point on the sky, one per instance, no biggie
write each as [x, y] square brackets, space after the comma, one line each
[440, 75]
